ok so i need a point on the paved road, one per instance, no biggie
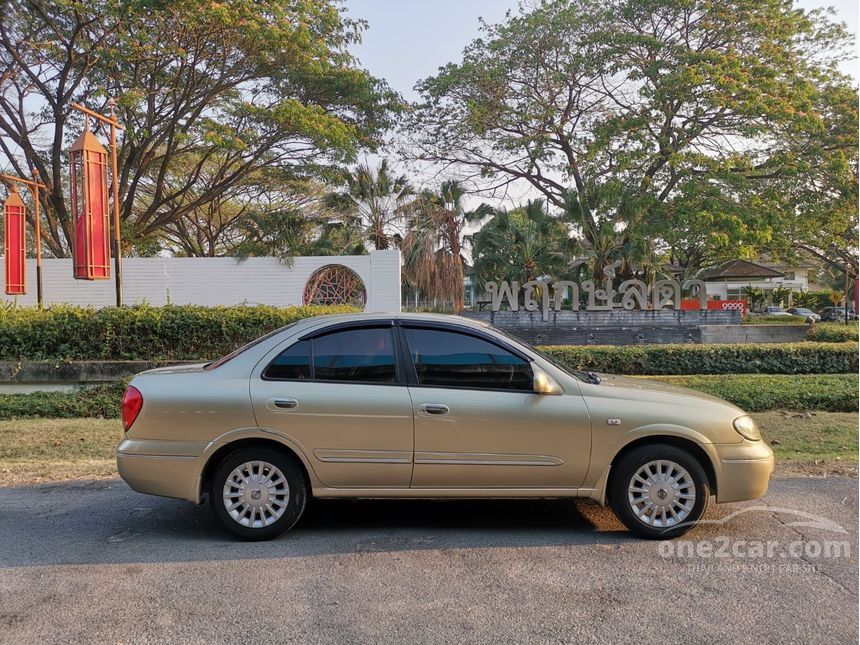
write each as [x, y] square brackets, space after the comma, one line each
[96, 562]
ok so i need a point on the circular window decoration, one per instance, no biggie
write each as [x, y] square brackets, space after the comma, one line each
[335, 284]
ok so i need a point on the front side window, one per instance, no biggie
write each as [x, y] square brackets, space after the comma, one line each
[451, 359]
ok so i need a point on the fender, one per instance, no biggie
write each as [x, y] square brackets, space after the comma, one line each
[240, 434]
[653, 432]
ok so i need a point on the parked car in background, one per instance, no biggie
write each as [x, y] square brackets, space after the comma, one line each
[837, 313]
[408, 406]
[808, 314]
[774, 311]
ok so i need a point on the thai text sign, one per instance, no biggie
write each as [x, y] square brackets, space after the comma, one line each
[631, 294]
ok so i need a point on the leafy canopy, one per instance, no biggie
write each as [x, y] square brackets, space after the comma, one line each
[209, 91]
[644, 117]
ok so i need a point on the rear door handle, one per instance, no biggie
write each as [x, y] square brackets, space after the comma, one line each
[283, 404]
[436, 409]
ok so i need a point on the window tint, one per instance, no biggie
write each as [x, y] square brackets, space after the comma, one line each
[445, 358]
[293, 363]
[364, 355]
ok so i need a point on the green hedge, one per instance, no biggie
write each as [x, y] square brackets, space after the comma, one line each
[752, 392]
[833, 332]
[97, 401]
[140, 332]
[764, 358]
[772, 320]
[763, 392]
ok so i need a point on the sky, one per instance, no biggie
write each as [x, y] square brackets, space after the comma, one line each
[408, 40]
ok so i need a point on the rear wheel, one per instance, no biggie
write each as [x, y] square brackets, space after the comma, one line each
[258, 493]
[659, 491]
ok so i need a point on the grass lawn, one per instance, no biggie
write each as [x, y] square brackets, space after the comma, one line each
[34, 450]
[812, 442]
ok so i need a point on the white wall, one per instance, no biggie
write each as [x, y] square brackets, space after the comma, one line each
[213, 281]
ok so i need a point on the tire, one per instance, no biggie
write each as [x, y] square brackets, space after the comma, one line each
[659, 491]
[269, 501]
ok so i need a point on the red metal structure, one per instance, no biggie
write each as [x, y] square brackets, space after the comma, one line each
[90, 208]
[717, 305]
[15, 243]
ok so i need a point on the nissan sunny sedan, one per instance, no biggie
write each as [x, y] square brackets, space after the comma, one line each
[426, 406]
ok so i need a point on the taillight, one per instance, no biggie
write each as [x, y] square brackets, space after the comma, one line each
[132, 402]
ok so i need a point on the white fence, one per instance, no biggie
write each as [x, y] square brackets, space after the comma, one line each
[213, 281]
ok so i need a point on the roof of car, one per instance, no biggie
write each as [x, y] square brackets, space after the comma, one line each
[335, 318]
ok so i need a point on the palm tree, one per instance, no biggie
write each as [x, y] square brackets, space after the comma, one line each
[522, 244]
[611, 232]
[433, 247]
[376, 197]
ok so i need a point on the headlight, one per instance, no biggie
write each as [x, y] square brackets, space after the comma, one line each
[747, 428]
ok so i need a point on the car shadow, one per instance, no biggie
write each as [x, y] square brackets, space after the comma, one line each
[106, 523]
[337, 526]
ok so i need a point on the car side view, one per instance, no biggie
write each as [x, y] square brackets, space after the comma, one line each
[427, 406]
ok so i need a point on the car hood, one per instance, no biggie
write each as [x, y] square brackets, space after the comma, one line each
[644, 389]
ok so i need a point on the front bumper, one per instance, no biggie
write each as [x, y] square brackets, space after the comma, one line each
[743, 470]
[168, 475]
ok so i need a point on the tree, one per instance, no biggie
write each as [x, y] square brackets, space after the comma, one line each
[522, 244]
[300, 222]
[216, 90]
[375, 198]
[755, 297]
[434, 244]
[615, 109]
[823, 197]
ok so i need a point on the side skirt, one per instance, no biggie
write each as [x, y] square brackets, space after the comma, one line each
[435, 493]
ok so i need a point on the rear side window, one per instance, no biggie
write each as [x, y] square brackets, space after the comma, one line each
[351, 355]
[293, 364]
[450, 359]
[364, 355]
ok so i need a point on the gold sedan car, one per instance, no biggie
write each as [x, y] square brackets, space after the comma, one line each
[426, 406]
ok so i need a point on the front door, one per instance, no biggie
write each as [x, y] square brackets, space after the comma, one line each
[478, 422]
[340, 395]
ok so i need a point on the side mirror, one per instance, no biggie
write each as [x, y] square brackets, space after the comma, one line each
[543, 383]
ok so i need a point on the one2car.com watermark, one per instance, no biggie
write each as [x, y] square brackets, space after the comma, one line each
[763, 556]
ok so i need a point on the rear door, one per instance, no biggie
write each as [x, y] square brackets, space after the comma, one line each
[340, 393]
[478, 422]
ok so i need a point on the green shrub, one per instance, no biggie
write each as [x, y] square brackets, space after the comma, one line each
[97, 401]
[760, 392]
[764, 358]
[140, 332]
[833, 332]
[772, 320]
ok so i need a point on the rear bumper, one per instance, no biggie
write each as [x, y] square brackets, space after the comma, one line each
[158, 474]
[744, 470]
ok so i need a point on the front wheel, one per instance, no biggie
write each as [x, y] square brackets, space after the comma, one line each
[258, 493]
[659, 491]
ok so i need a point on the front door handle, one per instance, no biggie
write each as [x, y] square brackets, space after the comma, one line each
[436, 409]
[284, 404]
